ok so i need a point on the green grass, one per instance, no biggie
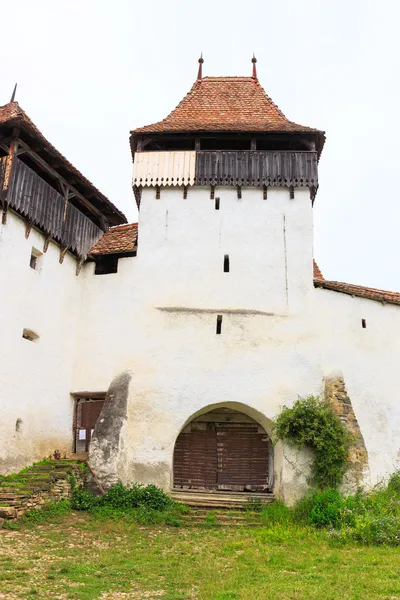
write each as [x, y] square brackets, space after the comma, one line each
[82, 556]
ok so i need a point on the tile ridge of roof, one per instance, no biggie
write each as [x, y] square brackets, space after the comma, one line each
[356, 285]
[223, 77]
[349, 287]
[123, 226]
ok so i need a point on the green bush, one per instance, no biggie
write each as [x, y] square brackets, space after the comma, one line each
[149, 496]
[327, 508]
[394, 482]
[120, 500]
[371, 530]
[82, 500]
[312, 423]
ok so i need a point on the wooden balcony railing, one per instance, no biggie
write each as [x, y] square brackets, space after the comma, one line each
[224, 167]
[42, 206]
[257, 168]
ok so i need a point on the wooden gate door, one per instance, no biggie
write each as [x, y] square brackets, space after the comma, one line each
[242, 457]
[195, 458]
[222, 456]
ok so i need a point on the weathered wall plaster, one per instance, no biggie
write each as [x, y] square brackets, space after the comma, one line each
[35, 376]
[156, 320]
[280, 336]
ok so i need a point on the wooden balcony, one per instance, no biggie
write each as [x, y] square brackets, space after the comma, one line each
[253, 168]
[43, 207]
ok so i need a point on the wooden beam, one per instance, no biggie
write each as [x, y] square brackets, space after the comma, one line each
[61, 179]
[62, 254]
[47, 242]
[79, 265]
[28, 229]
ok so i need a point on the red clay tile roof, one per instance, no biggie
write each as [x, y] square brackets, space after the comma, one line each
[226, 104]
[317, 271]
[12, 114]
[117, 240]
[383, 296]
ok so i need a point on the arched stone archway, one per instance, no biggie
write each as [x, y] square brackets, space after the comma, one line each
[224, 447]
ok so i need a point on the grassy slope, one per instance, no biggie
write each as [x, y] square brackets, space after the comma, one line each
[80, 557]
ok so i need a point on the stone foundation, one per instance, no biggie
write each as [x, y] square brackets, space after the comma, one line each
[336, 395]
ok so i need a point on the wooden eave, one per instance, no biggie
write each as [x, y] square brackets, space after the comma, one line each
[318, 137]
[39, 153]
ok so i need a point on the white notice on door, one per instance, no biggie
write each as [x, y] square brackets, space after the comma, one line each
[82, 434]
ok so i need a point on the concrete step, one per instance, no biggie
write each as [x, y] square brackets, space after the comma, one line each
[235, 500]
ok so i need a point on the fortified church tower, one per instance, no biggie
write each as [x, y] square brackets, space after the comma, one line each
[225, 186]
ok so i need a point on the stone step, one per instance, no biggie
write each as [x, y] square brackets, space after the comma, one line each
[35, 479]
[13, 496]
[235, 500]
[8, 512]
[11, 489]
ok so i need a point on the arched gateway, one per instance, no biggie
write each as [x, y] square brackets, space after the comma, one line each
[223, 449]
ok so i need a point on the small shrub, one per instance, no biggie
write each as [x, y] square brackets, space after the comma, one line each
[371, 530]
[312, 423]
[327, 509]
[149, 496]
[82, 500]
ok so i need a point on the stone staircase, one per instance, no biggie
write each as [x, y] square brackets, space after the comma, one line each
[218, 517]
[47, 481]
[217, 499]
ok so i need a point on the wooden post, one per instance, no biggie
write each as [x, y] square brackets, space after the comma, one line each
[7, 175]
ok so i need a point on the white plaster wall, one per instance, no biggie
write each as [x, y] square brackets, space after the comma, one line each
[369, 361]
[35, 380]
[157, 317]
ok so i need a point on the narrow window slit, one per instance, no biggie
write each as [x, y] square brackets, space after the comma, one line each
[216, 203]
[33, 262]
[364, 323]
[226, 263]
[219, 324]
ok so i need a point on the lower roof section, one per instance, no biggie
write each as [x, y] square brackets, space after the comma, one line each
[359, 291]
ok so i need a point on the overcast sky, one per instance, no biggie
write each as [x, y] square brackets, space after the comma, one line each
[88, 71]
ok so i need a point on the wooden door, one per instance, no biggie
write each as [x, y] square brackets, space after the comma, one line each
[242, 457]
[222, 456]
[195, 458]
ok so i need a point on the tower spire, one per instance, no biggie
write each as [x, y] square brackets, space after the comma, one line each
[254, 60]
[13, 94]
[200, 71]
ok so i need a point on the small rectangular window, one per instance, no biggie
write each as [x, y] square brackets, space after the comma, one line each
[34, 262]
[363, 323]
[219, 324]
[106, 264]
[226, 263]
[216, 203]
